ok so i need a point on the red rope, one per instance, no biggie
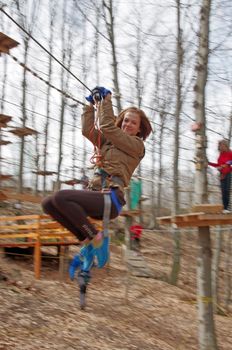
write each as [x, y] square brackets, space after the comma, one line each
[96, 157]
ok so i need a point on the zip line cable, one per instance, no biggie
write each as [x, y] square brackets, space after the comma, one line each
[78, 127]
[45, 81]
[38, 43]
[40, 114]
[49, 53]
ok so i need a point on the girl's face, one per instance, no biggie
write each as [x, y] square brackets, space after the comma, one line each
[131, 123]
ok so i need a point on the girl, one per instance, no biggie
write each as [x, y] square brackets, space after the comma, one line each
[119, 148]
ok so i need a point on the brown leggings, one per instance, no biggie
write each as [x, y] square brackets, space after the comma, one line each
[71, 208]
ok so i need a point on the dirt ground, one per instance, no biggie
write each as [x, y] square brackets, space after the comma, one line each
[45, 313]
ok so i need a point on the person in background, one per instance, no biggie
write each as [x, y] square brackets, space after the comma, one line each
[224, 168]
[119, 148]
[135, 232]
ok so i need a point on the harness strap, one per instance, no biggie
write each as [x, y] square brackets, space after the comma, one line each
[115, 200]
[104, 176]
[106, 213]
[109, 197]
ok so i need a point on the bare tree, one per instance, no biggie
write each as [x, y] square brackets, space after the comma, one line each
[215, 266]
[176, 232]
[27, 23]
[228, 263]
[84, 74]
[207, 336]
[110, 26]
[52, 13]
[66, 35]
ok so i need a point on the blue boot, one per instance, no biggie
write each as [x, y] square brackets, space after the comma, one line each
[102, 252]
[75, 264]
[87, 257]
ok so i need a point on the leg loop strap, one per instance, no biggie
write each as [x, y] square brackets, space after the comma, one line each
[106, 213]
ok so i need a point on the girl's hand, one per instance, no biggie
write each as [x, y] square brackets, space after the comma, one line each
[108, 97]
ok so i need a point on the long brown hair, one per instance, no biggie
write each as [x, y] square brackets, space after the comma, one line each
[145, 125]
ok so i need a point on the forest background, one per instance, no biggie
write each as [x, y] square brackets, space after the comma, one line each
[149, 54]
[134, 48]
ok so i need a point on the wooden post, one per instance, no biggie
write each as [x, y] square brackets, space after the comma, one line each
[37, 258]
[37, 252]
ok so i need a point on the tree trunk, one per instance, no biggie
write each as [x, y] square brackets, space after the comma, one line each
[230, 124]
[24, 119]
[153, 176]
[74, 146]
[215, 266]
[84, 74]
[176, 232]
[228, 269]
[66, 61]
[28, 24]
[109, 21]
[160, 172]
[47, 123]
[207, 336]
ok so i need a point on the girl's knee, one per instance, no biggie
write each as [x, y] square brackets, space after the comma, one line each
[46, 203]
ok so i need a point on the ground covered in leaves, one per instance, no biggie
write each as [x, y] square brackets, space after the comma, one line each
[45, 313]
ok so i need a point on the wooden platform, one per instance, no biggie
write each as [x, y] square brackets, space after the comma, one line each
[35, 231]
[25, 131]
[7, 43]
[208, 215]
[4, 119]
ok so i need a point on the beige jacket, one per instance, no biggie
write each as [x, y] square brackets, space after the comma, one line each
[121, 153]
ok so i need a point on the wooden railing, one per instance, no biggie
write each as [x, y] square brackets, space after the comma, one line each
[34, 231]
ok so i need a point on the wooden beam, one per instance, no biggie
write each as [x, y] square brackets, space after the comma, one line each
[208, 208]
[21, 132]
[4, 142]
[196, 219]
[221, 216]
[44, 173]
[204, 223]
